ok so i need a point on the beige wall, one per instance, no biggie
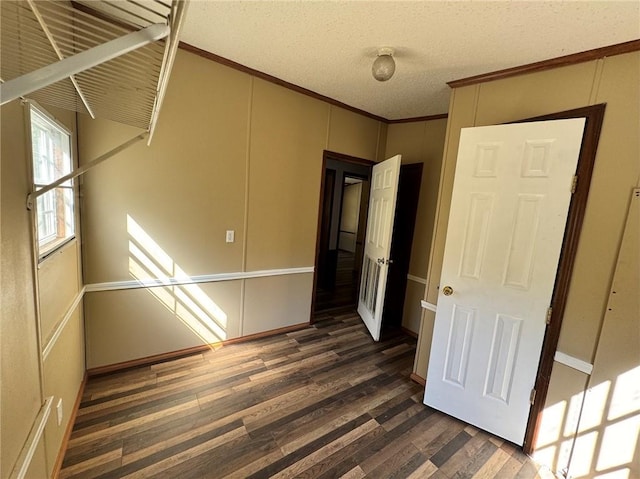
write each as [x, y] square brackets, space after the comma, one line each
[20, 383]
[419, 142]
[613, 80]
[64, 370]
[25, 333]
[608, 423]
[58, 283]
[166, 320]
[412, 310]
[269, 301]
[288, 133]
[38, 466]
[611, 412]
[355, 135]
[231, 152]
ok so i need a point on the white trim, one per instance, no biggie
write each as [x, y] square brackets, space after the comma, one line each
[178, 12]
[204, 278]
[54, 45]
[29, 448]
[62, 247]
[428, 305]
[417, 279]
[575, 363]
[56, 335]
[48, 117]
[47, 75]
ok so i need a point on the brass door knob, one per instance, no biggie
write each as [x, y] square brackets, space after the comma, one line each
[447, 290]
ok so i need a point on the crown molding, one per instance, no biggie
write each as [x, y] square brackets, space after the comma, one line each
[419, 118]
[566, 60]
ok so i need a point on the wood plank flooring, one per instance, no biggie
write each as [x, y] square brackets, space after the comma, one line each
[323, 402]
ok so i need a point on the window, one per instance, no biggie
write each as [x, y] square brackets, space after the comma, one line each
[51, 154]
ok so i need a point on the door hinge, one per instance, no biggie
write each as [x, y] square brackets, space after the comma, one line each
[574, 184]
[532, 396]
[549, 313]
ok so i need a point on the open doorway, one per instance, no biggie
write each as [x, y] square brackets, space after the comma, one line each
[338, 275]
[342, 220]
[342, 223]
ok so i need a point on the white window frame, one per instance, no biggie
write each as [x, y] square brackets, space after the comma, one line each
[56, 198]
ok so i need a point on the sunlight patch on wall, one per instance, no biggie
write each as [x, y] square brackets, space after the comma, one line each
[619, 474]
[619, 444]
[626, 395]
[573, 414]
[605, 420]
[551, 424]
[187, 302]
[595, 406]
[583, 453]
[553, 449]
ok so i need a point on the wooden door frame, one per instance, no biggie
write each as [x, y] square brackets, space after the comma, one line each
[328, 155]
[405, 215]
[594, 116]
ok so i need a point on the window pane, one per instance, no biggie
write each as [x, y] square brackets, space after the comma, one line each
[51, 151]
[47, 224]
[51, 147]
[69, 218]
[55, 215]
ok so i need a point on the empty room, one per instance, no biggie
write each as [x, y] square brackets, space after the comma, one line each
[382, 239]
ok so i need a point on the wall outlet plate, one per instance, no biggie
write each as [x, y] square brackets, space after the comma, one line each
[59, 411]
[230, 236]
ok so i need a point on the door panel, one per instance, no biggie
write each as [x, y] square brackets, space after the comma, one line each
[375, 266]
[511, 196]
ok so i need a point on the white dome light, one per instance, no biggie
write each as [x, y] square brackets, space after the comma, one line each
[384, 66]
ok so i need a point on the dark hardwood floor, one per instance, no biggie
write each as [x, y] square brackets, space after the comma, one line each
[344, 292]
[323, 402]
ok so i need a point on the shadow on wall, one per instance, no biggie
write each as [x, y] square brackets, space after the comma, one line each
[607, 420]
[152, 267]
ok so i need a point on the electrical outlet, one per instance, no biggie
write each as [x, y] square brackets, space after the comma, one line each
[231, 236]
[59, 411]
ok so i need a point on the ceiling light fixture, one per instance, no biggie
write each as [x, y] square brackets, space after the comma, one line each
[384, 66]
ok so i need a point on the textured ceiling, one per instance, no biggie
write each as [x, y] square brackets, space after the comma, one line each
[328, 47]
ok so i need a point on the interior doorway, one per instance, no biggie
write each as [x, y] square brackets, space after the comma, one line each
[341, 228]
[342, 223]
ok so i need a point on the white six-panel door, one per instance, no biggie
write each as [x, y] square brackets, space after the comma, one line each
[375, 264]
[509, 207]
